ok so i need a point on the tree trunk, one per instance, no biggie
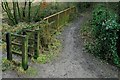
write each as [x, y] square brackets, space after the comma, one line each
[15, 12]
[24, 8]
[18, 10]
[36, 13]
[8, 11]
[29, 11]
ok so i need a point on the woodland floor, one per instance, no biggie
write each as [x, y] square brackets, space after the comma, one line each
[72, 61]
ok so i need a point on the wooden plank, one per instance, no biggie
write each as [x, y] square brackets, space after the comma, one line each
[18, 35]
[29, 46]
[31, 39]
[57, 13]
[20, 53]
[28, 30]
[58, 18]
[16, 52]
[17, 44]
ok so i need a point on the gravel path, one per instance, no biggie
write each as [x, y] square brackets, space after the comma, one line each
[72, 61]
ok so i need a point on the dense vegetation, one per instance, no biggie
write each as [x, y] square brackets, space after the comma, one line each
[30, 12]
[102, 34]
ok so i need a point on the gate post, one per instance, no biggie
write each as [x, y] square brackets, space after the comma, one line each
[9, 46]
[25, 52]
[36, 44]
[58, 19]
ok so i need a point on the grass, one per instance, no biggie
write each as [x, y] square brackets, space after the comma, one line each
[49, 55]
[30, 71]
[6, 65]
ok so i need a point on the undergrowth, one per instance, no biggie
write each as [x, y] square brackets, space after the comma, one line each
[100, 34]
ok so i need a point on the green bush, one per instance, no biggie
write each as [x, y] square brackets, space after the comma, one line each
[104, 33]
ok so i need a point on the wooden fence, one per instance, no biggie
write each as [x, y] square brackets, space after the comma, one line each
[24, 40]
[61, 17]
[23, 45]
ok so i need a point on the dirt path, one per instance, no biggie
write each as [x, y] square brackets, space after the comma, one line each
[73, 62]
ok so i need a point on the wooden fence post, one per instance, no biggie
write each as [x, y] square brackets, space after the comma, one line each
[68, 13]
[25, 52]
[65, 17]
[75, 10]
[9, 46]
[36, 44]
[58, 21]
[70, 10]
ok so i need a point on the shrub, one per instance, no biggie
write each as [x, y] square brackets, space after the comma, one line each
[104, 32]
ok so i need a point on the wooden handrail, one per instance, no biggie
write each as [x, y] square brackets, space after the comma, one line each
[57, 13]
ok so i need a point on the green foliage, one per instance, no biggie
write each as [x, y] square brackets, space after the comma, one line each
[31, 71]
[53, 51]
[42, 58]
[6, 65]
[47, 31]
[104, 28]
[49, 10]
[31, 12]
[73, 16]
